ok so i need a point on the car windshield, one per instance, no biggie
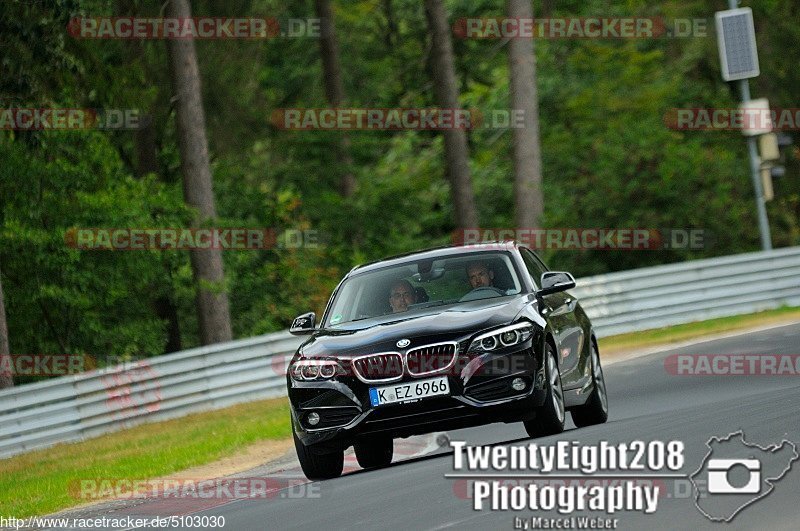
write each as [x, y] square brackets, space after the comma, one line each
[420, 287]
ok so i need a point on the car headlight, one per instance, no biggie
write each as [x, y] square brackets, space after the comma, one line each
[502, 337]
[305, 370]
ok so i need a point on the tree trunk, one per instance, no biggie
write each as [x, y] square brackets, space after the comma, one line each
[528, 197]
[455, 140]
[212, 300]
[146, 151]
[6, 380]
[391, 24]
[332, 74]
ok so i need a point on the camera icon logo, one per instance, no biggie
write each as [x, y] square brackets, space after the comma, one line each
[735, 474]
[719, 476]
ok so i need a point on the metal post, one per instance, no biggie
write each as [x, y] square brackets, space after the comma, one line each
[761, 206]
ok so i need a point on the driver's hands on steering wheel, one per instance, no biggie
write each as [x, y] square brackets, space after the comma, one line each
[486, 288]
[470, 295]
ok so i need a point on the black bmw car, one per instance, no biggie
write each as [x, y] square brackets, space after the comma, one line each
[437, 340]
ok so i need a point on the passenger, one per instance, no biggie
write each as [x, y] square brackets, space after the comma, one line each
[401, 296]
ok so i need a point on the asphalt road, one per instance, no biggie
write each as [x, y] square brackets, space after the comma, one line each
[646, 403]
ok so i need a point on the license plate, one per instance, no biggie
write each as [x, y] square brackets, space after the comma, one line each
[390, 394]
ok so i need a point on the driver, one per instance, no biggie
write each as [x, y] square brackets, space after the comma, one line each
[480, 275]
[401, 296]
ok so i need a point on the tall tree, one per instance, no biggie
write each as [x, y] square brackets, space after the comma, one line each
[455, 140]
[212, 300]
[391, 23]
[332, 74]
[528, 197]
[6, 380]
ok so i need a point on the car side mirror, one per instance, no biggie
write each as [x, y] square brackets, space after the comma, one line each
[555, 282]
[303, 324]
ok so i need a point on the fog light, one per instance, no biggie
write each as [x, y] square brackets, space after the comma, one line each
[518, 384]
[313, 419]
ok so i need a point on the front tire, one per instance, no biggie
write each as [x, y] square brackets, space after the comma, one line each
[374, 452]
[595, 410]
[550, 416]
[319, 465]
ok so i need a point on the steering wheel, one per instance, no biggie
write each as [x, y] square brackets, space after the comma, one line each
[481, 292]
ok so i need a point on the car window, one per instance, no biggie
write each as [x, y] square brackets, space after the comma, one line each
[534, 266]
[420, 287]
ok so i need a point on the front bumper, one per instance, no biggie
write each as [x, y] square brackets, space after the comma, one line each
[480, 393]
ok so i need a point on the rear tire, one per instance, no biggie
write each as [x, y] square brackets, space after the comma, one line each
[550, 416]
[319, 466]
[374, 452]
[595, 410]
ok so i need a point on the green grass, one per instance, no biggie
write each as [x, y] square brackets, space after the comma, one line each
[37, 483]
[674, 334]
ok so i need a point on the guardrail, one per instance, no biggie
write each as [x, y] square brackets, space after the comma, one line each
[84, 405]
[653, 297]
[76, 407]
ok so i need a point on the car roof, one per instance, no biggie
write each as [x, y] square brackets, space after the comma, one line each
[435, 252]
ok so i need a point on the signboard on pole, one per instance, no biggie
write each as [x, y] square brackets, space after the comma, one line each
[736, 38]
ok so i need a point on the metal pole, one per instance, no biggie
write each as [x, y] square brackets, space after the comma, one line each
[755, 163]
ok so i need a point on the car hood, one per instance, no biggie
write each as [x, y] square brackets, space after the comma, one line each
[452, 324]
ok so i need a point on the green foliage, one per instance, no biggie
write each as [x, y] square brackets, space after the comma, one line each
[60, 299]
[608, 158]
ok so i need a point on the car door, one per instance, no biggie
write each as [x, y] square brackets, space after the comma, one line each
[559, 310]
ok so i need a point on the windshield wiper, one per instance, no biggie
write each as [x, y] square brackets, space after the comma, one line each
[401, 316]
[434, 303]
